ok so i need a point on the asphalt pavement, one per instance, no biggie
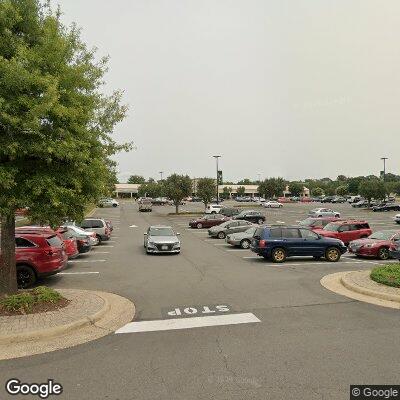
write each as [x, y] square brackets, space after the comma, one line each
[263, 330]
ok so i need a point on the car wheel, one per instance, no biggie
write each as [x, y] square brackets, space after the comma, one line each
[278, 255]
[199, 225]
[260, 221]
[99, 238]
[383, 253]
[221, 235]
[332, 254]
[115, 205]
[26, 276]
[337, 215]
[245, 244]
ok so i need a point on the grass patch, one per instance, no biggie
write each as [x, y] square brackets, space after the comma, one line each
[387, 274]
[36, 300]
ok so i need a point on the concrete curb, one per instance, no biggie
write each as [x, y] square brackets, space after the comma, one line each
[57, 330]
[346, 282]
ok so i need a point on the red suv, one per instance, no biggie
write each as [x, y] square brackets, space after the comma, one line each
[346, 231]
[38, 255]
[70, 243]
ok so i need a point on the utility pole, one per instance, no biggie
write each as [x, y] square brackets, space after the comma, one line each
[161, 174]
[384, 167]
[216, 159]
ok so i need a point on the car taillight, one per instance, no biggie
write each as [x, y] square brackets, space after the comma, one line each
[107, 231]
[262, 243]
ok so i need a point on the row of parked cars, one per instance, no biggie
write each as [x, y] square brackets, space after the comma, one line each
[323, 234]
[42, 251]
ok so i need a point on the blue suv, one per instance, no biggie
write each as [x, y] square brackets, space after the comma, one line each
[278, 242]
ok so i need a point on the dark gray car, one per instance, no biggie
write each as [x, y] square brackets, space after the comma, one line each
[226, 228]
[241, 239]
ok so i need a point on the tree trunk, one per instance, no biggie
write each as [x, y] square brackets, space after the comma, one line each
[176, 208]
[8, 273]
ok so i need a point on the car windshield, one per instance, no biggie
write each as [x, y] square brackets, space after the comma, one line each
[382, 235]
[161, 232]
[332, 227]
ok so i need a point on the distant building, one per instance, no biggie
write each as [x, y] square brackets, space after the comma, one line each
[126, 189]
[304, 193]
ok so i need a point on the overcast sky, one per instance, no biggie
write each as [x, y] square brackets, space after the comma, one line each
[295, 88]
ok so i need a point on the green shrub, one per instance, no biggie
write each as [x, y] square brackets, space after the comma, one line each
[387, 274]
[24, 301]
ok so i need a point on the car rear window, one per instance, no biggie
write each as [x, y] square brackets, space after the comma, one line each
[54, 241]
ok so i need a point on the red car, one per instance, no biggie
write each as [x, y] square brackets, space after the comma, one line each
[376, 245]
[317, 223]
[208, 220]
[70, 243]
[38, 255]
[346, 231]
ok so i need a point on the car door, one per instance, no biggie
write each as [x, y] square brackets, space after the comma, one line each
[243, 226]
[312, 244]
[293, 241]
[346, 233]
[232, 227]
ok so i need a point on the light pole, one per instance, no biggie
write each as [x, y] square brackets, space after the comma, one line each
[216, 159]
[384, 167]
[161, 173]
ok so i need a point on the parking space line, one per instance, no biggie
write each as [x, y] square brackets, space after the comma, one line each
[233, 250]
[78, 273]
[85, 261]
[188, 323]
[102, 252]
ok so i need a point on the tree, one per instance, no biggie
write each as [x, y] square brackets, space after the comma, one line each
[342, 190]
[318, 192]
[136, 179]
[295, 188]
[225, 192]
[341, 178]
[206, 189]
[150, 189]
[372, 189]
[177, 187]
[245, 181]
[55, 123]
[240, 191]
[392, 187]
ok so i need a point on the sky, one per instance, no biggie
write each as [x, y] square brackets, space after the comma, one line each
[291, 88]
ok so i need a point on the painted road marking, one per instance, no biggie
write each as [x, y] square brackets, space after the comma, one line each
[191, 311]
[102, 252]
[238, 250]
[133, 226]
[280, 222]
[85, 261]
[220, 244]
[77, 273]
[188, 323]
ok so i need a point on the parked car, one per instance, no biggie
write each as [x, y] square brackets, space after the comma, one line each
[146, 205]
[354, 199]
[376, 245]
[38, 255]
[208, 220]
[323, 212]
[69, 243]
[346, 231]
[394, 251]
[338, 199]
[229, 212]
[317, 223]
[278, 243]
[161, 239]
[386, 207]
[272, 204]
[97, 225]
[250, 215]
[108, 203]
[327, 199]
[93, 240]
[213, 208]
[243, 199]
[397, 218]
[220, 231]
[241, 239]
[83, 241]
[360, 204]
[160, 201]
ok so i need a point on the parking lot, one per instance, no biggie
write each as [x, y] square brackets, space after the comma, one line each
[290, 337]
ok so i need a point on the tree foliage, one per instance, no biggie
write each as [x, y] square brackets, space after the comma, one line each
[240, 191]
[177, 187]
[372, 189]
[136, 179]
[150, 189]
[342, 190]
[271, 187]
[206, 189]
[55, 122]
[295, 188]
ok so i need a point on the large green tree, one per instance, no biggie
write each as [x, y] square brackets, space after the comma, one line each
[150, 189]
[295, 188]
[55, 123]
[372, 189]
[206, 189]
[177, 187]
[136, 179]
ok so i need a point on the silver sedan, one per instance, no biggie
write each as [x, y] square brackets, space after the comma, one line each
[220, 231]
[323, 212]
[241, 239]
[161, 239]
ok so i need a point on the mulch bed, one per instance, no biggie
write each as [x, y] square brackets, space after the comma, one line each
[36, 308]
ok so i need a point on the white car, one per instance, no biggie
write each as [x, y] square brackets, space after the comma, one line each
[213, 208]
[272, 204]
[397, 218]
[323, 212]
[108, 203]
[93, 239]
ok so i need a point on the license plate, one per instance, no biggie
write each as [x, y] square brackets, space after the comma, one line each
[164, 247]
